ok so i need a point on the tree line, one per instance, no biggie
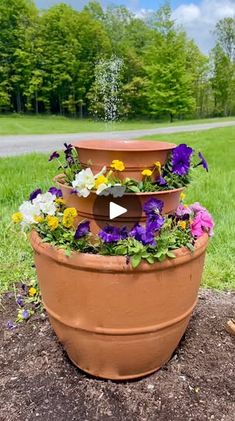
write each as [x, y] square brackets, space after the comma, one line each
[48, 62]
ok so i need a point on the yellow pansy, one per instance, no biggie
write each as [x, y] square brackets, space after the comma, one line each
[68, 217]
[17, 217]
[147, 172]
[32, 291]
[158, 165]
[117, 165]
[38, 219]
[182, 196]
[182, 224]
[60, 201]
[100, 180]
[52, 222]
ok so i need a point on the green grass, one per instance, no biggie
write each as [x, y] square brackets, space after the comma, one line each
[20, 175]
[21, 124]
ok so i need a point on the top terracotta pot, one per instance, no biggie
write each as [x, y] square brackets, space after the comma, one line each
[136, 154]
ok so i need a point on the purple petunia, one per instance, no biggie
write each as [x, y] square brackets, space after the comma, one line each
[123, 233]
[143, 235]
[183, 210]
[154, 223]
[161, 181]
[153, 207]
[203, 161]
[82, 230]
[55, 191]
[34, 194]
[110, 234]
[181, 159]
[54, 155]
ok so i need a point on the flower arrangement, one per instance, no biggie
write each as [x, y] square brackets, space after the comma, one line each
[174, 174]
[154, 241]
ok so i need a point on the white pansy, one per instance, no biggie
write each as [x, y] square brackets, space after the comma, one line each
[102, 172]
[84, 182]
[46, 203]
[29, 211]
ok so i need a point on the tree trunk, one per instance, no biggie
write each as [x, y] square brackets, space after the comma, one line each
[18, 102]
[36, 102]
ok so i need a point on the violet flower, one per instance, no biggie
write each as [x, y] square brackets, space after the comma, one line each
[153, 207]
[73, 191]
[181, 159]
[143, 235]
[123, 233]
[25, 314]
[20, 301]
[202, 162]
[69, 153]
[10, 325]
[161, 181]
[183, 210]
[54, 155]
[110, 234]
[34, 194]
[82, 230]
[154, 223]
[55, 191]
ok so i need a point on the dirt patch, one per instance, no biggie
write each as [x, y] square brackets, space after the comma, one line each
[38, 382]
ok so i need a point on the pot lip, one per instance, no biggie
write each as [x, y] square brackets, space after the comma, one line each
[100, 263]
[59, 178]
[117, 145]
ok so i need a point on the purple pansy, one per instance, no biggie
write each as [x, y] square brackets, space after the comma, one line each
[54, 155]
[73, 191]
[55, 191]
[82, 230]
[183, 210]
[25, 314]
[181, 159]
[10, 325]
[123, 233]
[153, 207]
[69, 153]
[202, 162]
[110, 234]
[154, 223]
[161, 181]
[20, 301]
[143, 235]
[34, 194]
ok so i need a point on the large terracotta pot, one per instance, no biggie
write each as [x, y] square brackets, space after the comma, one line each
[96, 208]
[136, 154]
[114, 321]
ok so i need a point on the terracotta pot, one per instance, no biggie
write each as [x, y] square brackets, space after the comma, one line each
[114, 321]
[96, 208]
[136, 155]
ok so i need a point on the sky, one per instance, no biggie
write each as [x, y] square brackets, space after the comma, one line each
[198, 17]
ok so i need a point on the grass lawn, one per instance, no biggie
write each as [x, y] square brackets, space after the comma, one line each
[20, 175]
[20, 124]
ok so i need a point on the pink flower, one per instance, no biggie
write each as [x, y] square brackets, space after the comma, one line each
[203, 222]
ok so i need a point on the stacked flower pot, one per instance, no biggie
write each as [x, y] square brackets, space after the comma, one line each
[115, 321]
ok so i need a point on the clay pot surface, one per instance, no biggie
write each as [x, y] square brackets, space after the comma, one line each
[96, 208]
[136, 155]
[114, 321]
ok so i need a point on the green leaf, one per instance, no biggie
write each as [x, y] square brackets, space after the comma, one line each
[171, 254]
[135, 260]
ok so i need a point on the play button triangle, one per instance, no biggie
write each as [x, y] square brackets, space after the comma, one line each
[115, 210]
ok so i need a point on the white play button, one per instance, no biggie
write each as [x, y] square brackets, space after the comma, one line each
[115, 210]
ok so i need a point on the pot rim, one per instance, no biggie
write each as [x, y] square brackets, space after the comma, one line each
[100, 263]
[59, 178]
[109, 145]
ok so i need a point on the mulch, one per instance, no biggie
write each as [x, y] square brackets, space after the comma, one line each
[38, 382]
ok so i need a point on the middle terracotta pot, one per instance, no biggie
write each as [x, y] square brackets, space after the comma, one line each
[96, 208]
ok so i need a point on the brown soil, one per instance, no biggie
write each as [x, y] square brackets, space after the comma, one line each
[38, 382]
